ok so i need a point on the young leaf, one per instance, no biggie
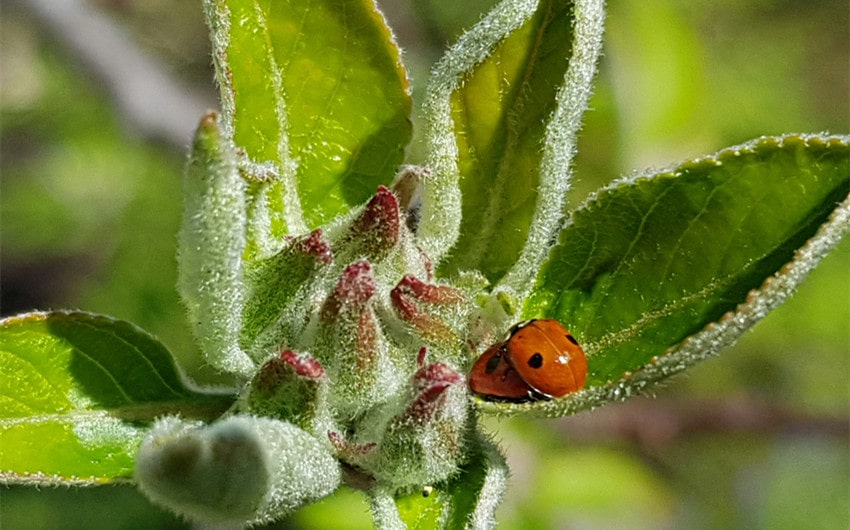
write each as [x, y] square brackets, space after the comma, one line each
[212, 241]
[241, 470]
[509, 115]
[316, 89]
[651, 261]
[78, 391]
[440, 222]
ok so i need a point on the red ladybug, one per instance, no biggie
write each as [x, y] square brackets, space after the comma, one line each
[493, 377]
[540, 359]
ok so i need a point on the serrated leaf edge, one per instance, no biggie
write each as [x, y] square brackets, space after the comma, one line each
[716, 159]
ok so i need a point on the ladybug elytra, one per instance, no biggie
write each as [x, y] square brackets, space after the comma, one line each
[539, 359]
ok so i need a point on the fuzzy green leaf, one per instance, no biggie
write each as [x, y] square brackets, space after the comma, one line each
[501, 112]
[212, 241]
[77, 393]
[242, 470]
[316, 89]
[652, 261]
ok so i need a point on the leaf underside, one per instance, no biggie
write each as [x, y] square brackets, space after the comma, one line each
[81, 390]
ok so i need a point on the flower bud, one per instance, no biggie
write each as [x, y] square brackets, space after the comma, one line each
[273, 284]
[351, 294]
[424, 442]
[434, 311]
[352, 344]
[378, 228]
[291, 387]
[349, 451]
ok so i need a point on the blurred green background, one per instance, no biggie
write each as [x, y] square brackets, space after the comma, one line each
[757, 438]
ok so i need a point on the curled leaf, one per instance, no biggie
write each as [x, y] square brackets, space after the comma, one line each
[240, 470]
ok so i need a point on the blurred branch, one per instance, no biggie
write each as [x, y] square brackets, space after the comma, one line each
[148, 97]
[654, 423]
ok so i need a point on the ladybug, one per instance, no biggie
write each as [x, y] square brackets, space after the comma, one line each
[539, 359]
[492, 376]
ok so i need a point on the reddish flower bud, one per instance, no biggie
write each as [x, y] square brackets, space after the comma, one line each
[353, 290]
[274, 282]
[378, 229]
[304, 365]
[290, 386]
[429, 385]
[349, 451]
[422, 443]
[419, 304]
[429, 293]
[314, 244]
[351, 343]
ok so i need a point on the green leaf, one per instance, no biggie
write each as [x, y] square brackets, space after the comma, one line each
[515, 115]
[316, 88]
[468, 500]
[653, 261]
[500, 112]
[77, 392]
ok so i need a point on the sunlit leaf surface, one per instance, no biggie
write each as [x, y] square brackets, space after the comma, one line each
[500, 113]
[79, 390]
[317, 89]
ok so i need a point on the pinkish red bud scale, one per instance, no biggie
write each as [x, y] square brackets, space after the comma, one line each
[290, 387]
[429, 384]
[314, 244]
[304, 366]
[378, 229]
[416, 302]
[412, 287]
[354, 288]
[349, 451]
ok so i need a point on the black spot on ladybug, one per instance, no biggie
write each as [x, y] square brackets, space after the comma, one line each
[492, 364]
[535, 361]
[571, 339]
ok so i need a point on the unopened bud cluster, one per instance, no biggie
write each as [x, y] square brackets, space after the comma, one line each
[350, 352]
[369, 356]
